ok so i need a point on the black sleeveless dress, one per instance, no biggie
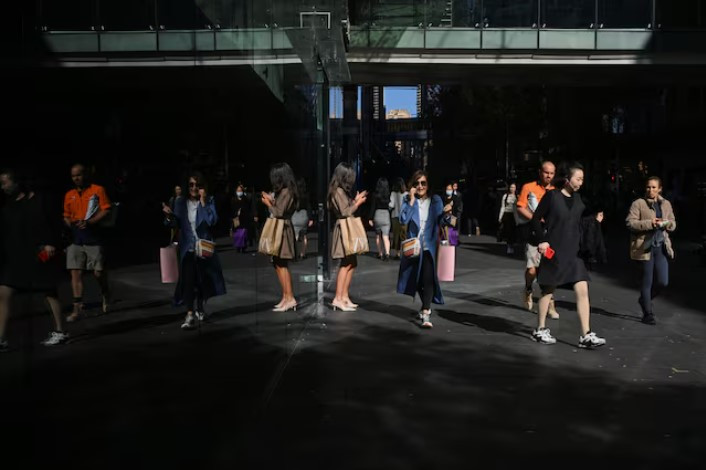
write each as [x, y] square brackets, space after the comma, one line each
[562, 230]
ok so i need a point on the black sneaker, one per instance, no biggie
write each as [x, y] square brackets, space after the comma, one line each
[648, 319]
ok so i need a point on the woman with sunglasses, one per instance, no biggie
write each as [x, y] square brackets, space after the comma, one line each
[342, 205]
[282, 206]
[424, 214]
[200, 278]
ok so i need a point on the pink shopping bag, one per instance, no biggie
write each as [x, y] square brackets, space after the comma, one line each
[169, 264]
[446, 262]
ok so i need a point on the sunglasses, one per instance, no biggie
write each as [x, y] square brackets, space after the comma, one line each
[194, 185]
[423, 184]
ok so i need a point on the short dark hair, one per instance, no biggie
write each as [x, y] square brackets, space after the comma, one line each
[651, 178]
[564, 173]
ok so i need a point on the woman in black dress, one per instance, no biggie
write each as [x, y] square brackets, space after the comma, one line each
[562, 210]
[28, 261]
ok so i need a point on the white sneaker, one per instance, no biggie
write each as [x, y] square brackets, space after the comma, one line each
[590, 340]
[426, 322]
[56, 337]
[543, 336]
[201, 316]
[189, 322]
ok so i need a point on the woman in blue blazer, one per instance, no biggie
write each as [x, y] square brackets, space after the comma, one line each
[424, 214]
[199, 278]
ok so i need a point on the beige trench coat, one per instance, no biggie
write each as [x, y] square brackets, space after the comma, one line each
[341, 207]
[283, 208]
[639, 220]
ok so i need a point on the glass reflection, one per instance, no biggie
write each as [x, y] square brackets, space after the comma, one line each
[625, 13]
[68, 15]
[684, 14]
[127, 15]
[568, 13]
[180, 14]
[397, 12]
[509, 13]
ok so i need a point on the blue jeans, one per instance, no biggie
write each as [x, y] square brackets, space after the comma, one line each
[657, 264]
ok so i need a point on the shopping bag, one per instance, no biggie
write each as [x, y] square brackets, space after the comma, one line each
[446, 262]
[453, 236]
[205, 248]
[355, 238]
[411, 247]
[169, 264]
[240, 238]
[271, 237]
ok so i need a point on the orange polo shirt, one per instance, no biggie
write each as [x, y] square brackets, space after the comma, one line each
[76, 203]
[533, 187]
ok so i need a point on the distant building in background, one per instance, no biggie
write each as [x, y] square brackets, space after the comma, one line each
[399, 114]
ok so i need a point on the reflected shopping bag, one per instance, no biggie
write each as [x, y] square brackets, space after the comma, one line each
[240, 238]
[169, 263]
[271, 237]
[446, 262]
[355, 238]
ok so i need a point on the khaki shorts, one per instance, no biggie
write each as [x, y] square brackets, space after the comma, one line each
[84, 257]
[532, 255]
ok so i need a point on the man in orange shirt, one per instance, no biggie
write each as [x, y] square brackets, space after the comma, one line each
[85, 206]
[527, 203]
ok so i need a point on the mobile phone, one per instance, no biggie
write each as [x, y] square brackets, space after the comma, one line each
[549, 253]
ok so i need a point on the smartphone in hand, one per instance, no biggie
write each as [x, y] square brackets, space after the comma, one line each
[549, 253]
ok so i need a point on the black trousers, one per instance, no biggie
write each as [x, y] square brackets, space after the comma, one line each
[191, 284]
[425, 285]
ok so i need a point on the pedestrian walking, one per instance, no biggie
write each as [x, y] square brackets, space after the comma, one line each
[651, 220]
[558, 242]
[243, 223]
[379, 218]
[507, 217]
[530, 197]
[200, 273]
[343, 205]
[28, 254]
[303, 218]
[399, 189]
[424, 214]
[85, 207]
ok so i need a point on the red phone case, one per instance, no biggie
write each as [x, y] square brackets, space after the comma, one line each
[549, 253]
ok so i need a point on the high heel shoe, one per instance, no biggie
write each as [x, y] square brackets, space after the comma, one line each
[350, 304]
[341, 307]
[286, 306]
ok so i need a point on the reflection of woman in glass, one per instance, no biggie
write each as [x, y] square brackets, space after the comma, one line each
[199, 278]
[559, 244]
[651, 219]
[282, 206]
[423, 214]
[342, 205]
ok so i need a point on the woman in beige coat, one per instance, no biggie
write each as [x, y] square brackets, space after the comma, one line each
[651, 219]
[282, 206]
[342, 205]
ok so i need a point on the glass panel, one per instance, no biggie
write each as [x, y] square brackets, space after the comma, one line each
[625, 13]
[466, 13]
[509, 13]
[180, 14]
[568, 13]
[127, 15]
[68, 15]
[220, 13]
[287, 14]
[684, 14]
[397, 12]
[360, 13]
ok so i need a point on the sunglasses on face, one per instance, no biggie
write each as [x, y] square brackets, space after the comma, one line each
[423, 184]
[194, 185]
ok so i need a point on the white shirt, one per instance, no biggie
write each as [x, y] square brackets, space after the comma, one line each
[424, 205]
[192, 207]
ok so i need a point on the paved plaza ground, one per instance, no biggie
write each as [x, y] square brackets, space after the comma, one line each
[321, 389]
